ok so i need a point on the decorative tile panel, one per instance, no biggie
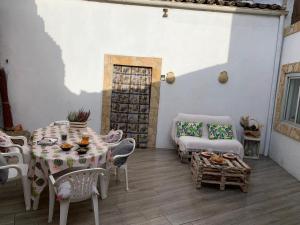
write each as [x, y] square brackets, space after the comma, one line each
[130, 99]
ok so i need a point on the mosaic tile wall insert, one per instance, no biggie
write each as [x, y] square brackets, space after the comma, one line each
[130, 101]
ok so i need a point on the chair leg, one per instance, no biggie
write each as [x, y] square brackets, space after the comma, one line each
[27, 192]
[96, 210]
[103, 184]
[126, 177]
[51, 202]
[35, 203]
[64, 208]
[117, 173]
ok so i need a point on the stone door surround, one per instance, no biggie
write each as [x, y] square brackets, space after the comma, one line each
[155, 64]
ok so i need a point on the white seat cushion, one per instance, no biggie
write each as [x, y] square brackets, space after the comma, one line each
[13, 173]
[187, 143]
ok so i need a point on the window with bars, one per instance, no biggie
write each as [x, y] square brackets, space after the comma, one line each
[291, 109]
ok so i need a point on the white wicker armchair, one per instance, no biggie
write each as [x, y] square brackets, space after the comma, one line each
[122, 156]
[19, 171]
[83, 186]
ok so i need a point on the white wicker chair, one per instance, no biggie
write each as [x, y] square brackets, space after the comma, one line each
[119, 132]
[124, 166]
[19, 171]
[83, 186]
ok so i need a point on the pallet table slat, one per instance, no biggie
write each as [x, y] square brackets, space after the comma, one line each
[236, 164]
[229, 163]
[206, 161]
[211, 173]
[243, 163]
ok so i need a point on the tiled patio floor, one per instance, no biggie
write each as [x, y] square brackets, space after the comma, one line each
[162, 193]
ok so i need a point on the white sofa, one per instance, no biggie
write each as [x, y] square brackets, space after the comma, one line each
[187, 144]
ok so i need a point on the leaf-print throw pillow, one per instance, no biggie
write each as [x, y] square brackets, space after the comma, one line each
[219, 131]
[189, 128]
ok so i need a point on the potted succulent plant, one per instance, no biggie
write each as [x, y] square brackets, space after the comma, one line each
[78, 119]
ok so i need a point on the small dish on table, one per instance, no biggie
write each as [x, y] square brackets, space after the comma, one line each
[207, 154]
[217, 159]
[229, 155]
[82, 151]
[66, 147]
[83, 144]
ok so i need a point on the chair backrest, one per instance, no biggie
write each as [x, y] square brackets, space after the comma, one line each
[115, 136]
[131, 141]
[205, 119]
[83, 183]
[5, 141]
[11, 169]
[119, 133]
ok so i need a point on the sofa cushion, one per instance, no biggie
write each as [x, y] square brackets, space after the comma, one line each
[187, 144]
[219, 131]
[205, 119]
[193, 129]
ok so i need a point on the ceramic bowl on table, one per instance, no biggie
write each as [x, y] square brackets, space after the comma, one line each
[207, 154]
[66, 147]
[82, 151]
[229, 155]
[83, 144]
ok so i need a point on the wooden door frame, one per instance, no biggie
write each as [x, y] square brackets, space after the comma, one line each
[155, 64]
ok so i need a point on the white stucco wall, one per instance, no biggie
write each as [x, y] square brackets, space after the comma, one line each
[284, 150]
[278, 2]
[290, 9]
[56, 51]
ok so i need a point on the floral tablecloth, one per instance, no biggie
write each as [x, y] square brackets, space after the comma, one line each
[51, 159]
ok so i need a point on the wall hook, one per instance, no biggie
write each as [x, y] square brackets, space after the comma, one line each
[165, 15]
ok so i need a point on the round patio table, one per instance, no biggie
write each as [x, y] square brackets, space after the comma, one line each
[51, 159]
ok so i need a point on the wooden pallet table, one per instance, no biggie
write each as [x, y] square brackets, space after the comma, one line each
[233, 172]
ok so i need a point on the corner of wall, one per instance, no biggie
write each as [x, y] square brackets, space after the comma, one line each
[289, 7]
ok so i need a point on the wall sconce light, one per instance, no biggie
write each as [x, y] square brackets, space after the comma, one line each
[165, 15]
[223, 77]
[170, 78]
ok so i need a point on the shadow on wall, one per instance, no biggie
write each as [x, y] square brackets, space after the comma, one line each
[45, 97]
[249, 63]
[40, 96]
